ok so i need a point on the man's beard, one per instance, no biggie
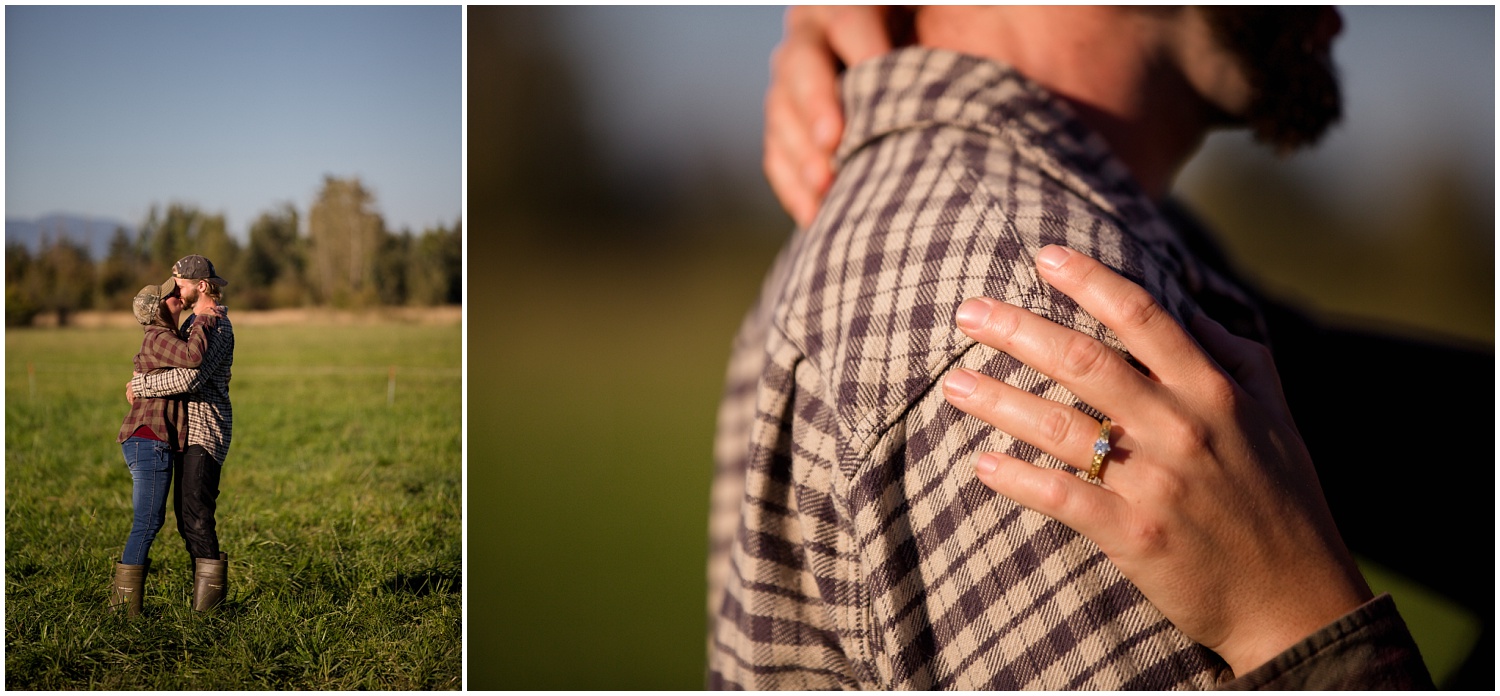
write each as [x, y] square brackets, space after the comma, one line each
[1294, 90]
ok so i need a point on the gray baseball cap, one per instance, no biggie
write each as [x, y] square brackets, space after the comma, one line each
[195, 267]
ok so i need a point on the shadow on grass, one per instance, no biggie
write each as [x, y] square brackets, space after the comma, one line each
[425, 583]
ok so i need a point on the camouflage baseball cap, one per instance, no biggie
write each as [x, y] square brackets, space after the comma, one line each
[148, 301]
[195, 267]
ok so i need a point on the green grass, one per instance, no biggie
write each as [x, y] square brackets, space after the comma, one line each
[1445, 631]
[341, 515]
[593, 384]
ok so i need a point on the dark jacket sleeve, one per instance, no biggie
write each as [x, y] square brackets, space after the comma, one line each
[1368, 648]
[1328, 367]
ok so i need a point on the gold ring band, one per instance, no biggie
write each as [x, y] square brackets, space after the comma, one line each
[1101, 448]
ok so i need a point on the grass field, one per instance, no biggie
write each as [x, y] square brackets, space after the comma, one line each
[591, 411]
[593, 385]
[340, 512]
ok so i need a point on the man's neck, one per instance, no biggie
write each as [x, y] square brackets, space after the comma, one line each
[1114, 66]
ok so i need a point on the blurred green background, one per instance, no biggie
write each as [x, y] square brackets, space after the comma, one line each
[620, 228]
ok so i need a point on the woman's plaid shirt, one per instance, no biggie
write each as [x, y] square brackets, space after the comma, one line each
[162, 348]
[210, 419]
[852, 545]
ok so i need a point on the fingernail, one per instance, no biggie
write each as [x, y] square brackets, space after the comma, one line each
[823, 132]
[1052, 256]
[960, 383]
[986, 463]
[972, 314]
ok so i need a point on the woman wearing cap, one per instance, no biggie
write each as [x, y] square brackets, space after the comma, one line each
[152, 431]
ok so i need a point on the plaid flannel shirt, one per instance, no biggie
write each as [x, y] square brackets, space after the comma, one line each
[162, 348]
[851, 544]
[210, 419]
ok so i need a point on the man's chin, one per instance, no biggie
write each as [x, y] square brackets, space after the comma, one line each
[1294, 113]
[1287, 133]
[1285, 56]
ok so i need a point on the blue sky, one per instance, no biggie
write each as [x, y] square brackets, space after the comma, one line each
[233, 109]
[111, 109]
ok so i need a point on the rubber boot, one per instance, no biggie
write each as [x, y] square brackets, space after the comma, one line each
[128, 588]
[210, 581]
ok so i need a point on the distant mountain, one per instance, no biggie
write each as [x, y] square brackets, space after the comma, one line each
[93, 233]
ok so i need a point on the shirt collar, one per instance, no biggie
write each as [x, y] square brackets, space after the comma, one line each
[914, 88]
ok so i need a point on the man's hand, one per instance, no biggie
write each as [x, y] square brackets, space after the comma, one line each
[129, 394]
[804, 119]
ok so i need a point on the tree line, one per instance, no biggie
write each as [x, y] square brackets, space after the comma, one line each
[347, 259]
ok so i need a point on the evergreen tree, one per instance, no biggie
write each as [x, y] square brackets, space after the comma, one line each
[123, 272]
[275, 261]
[345, 236]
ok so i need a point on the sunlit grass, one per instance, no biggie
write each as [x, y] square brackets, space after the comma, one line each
[593, 387]
[340, 511]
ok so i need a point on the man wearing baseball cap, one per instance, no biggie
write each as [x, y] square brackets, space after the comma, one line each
[195, 488]
[194, 268]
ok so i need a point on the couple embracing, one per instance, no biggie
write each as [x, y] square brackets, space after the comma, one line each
[177, 433]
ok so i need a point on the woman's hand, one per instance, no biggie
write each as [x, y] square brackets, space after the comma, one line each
[804, 119]
[1208, 500]
[206, 307]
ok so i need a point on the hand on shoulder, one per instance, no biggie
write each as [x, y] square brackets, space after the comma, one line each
[804, 119]
[1206, 498]
[209, 313]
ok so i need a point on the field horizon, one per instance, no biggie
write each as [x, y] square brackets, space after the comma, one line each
[427, 316]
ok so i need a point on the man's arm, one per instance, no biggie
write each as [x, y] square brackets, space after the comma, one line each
[179, 380]
[187, 380]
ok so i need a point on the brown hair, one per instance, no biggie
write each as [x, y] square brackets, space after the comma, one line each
[163, 316]
[214, 291]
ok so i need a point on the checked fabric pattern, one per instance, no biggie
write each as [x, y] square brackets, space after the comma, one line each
[210, 418]
[161, 349]
[851, 544]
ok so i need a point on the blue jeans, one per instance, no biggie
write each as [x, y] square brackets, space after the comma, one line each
[150, 463]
